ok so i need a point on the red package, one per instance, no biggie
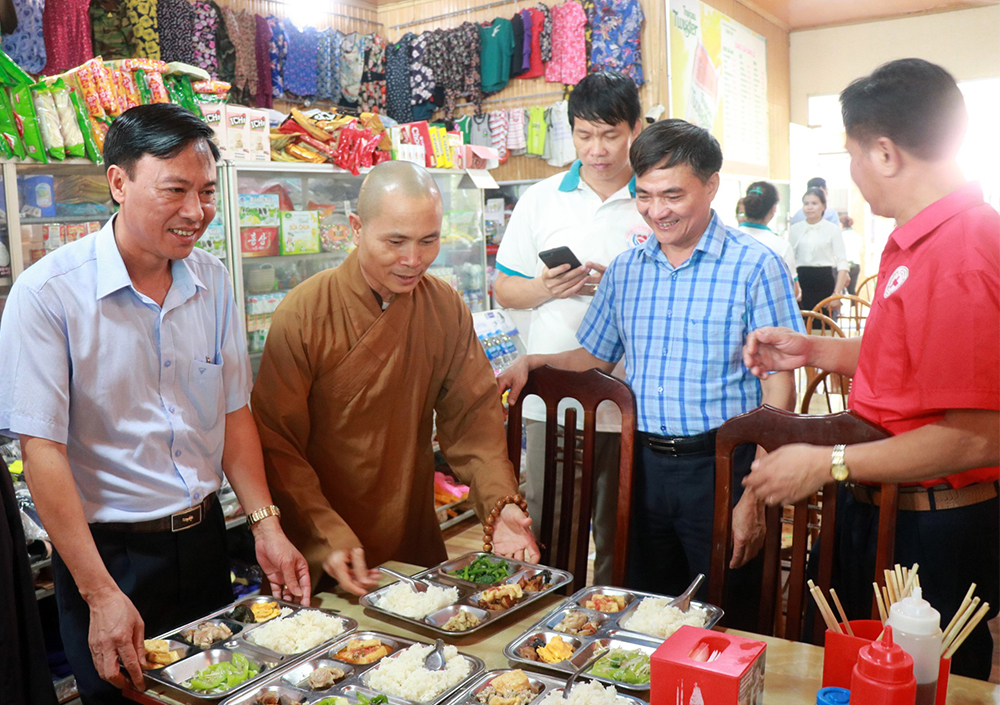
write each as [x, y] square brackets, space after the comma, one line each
[88, 89]
[259, 242]
[105, 89]
[157, 88]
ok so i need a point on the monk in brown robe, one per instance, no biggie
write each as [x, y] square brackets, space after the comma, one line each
[357, 360]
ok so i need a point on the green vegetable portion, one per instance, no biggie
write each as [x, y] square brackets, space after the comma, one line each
[377, 700]
[334, 700]
[484, 570]
[223, 676]
[624, 666]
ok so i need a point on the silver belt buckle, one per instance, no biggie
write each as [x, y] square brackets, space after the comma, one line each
[185, 520]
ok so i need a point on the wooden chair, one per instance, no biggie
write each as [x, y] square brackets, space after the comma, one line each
[832, 386]
[817, 324]
[866, 288]
[772, 428]
[853, 312]
[590, 388]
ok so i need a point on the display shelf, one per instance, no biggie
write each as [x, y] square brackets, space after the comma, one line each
[44, 220]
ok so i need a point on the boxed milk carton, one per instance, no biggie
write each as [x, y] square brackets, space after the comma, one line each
[258, 136]
[236, 132]
[259, 209]
[299, 232]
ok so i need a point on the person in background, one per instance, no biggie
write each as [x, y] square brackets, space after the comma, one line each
[361, 363]
[741, 212]
[819, 252]
[590, 209]
[668, 308]
[853, 246]
[125, 375]
[829, 213]
[927, 368]
[759, 205]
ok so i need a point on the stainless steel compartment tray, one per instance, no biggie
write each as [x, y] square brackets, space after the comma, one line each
[467, 592]
[172, 676]
[610, 631]
[288, 679]
[548, 684]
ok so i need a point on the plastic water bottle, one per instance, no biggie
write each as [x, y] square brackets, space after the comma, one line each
[917, 629]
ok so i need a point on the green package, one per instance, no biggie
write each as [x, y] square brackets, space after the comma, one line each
[140, 83]
[174, 90]
[48, 122]
[11, 74]
[190, 100]
[83, 121]
[27, 123]
[12, 143]
[68, 124]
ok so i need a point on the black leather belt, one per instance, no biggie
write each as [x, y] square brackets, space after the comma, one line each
[187, 519]
[677, 446]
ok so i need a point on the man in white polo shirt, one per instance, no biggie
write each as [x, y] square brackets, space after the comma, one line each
[591, 210]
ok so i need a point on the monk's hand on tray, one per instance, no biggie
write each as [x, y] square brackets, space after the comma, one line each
[790, 473]
[284, 566]
[512, 537]
[115, 638]
[774, 350]
[748, 529]
[563, 282]
[347, 566]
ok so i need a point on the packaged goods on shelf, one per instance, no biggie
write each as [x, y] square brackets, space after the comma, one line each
[259, 241]
[259, 209]
[213, 240]
[299, 233]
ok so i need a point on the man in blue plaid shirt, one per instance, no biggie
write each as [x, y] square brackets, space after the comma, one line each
[679, 308]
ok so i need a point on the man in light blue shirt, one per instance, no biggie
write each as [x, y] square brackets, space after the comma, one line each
[829, 214]
[679, 309]
[124, 373]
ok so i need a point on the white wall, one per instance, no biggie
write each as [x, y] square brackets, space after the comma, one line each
[825, 61]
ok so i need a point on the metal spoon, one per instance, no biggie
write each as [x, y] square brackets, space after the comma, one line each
[435, 659]
[683, 601]
[571, 681]
[415, 585]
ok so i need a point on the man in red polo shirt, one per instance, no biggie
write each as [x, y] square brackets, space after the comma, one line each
[927, 368]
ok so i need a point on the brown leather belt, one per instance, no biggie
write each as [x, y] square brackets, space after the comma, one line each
[926, 499]
[187, 519]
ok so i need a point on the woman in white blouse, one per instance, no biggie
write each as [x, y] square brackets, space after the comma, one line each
[819, 252]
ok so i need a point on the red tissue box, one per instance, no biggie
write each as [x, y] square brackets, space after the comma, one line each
[682, 676]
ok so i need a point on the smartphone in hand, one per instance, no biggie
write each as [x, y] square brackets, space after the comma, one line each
[558, 256]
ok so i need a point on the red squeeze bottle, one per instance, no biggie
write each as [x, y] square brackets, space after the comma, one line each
[883, 674]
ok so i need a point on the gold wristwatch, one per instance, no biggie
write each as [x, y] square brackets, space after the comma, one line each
[258, 515]
[838, 468]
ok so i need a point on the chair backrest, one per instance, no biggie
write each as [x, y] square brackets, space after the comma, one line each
[853, 312]
[832, 386]
[590, 388]
[818, 323]
[866, 288]
[772, 428]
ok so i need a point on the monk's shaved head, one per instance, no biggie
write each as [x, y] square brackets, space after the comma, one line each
[394, 179]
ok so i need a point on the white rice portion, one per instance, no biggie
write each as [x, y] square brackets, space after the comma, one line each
[656, 617]
[400, 599]
[404, 675]
[300, 632]
[586, 693]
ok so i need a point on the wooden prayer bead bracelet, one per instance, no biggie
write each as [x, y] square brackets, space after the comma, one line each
[494, 513]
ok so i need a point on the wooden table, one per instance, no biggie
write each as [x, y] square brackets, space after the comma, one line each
[792, 674]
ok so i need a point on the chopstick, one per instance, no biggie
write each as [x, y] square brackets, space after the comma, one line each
[840, 610]
[958, 612]
[956, 628]
[881, 604]
[963, 635]
[824, 608]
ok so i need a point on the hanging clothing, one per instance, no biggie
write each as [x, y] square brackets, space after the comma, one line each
[277, 50]
[323, 57]
[242, 29]
[225, 51]
[110, 30]
[464, 125]
[526, 45]
[345, 402]
[569, 60]
[206, 24]
[352, 65]
[479, 131]
[421, 75]
[300, 63]
[66, 27]
[397, 80]
[590, 10]
[145, 27]
[517, 56]
[336, 41]
[517, 141]
[536, 68]
[545, 41]
[262, 41]
[617, 35]
[26, 44]
[536, 130]
[373, 77]
[176, 20]
[559, 136]
[498, 44]
[468, 52]
[498, 133]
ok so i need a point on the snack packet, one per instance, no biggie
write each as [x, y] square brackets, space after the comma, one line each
[189, 100]
[145, 97]
[83, 123]
[11, 73]
[11, 142]
[48, 122]
[105, 88]
[157, 89]
[129, 89]
[68, 124]
[99, 128]
[88, 90]
[147, 65]
[27, 123]
[215, 87]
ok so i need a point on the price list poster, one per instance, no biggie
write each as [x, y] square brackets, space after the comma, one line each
[718, 80]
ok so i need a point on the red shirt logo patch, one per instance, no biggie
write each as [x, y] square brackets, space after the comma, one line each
[638, 235]
[897, 280]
